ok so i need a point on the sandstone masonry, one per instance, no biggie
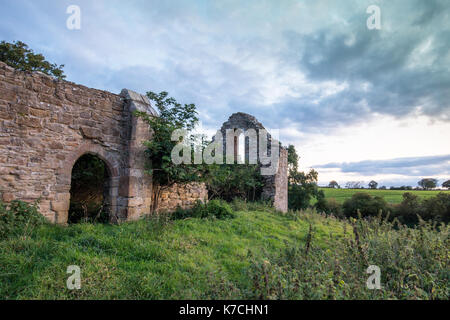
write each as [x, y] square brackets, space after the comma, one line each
[46, 125]
[184, 196]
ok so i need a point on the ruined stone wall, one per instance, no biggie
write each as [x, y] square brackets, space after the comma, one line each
[183, 196]
[47, 125]
[280, 198]
[275, 186]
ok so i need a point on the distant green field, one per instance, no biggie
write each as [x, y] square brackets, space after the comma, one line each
[391, 196]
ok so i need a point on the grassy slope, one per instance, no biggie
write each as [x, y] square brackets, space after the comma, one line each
[187, 259]
[391, 196]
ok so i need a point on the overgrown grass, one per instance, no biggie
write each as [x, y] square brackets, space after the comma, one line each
[414, 264]
[258, 254]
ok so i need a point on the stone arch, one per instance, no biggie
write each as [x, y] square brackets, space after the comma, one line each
[109, 157]
[62, 203]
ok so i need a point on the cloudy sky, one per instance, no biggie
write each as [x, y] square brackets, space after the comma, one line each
[358, 104]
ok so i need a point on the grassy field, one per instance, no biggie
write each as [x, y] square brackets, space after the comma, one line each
[391, 196]
[260, 254]
[186, 259]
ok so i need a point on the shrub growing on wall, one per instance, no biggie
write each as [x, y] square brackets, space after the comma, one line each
[172, 116]
[19, 56]
[234, 181]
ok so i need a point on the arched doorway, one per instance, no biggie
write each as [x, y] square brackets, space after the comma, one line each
[90, 190]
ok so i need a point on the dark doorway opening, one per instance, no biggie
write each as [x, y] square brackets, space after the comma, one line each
[89, 191]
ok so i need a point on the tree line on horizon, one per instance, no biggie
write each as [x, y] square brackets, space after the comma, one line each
[423, 184]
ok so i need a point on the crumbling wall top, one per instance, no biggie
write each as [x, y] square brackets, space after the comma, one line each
[138, 102]
[242, 120]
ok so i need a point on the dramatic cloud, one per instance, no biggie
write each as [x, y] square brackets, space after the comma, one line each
[397, 71]
[421, 166]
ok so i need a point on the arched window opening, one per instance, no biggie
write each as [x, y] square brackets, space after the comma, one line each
[239, 146]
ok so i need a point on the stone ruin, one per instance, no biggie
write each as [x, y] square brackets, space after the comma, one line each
[275, 186]
[46, 125]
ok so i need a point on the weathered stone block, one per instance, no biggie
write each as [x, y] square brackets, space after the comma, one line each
[55, 127]
[60, 206]
[39, 113]
[30, 122]
[8, 197]
[135, 202]
[90, 133]
[56, 145]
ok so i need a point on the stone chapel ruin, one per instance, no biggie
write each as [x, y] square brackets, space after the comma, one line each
[46, 125]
